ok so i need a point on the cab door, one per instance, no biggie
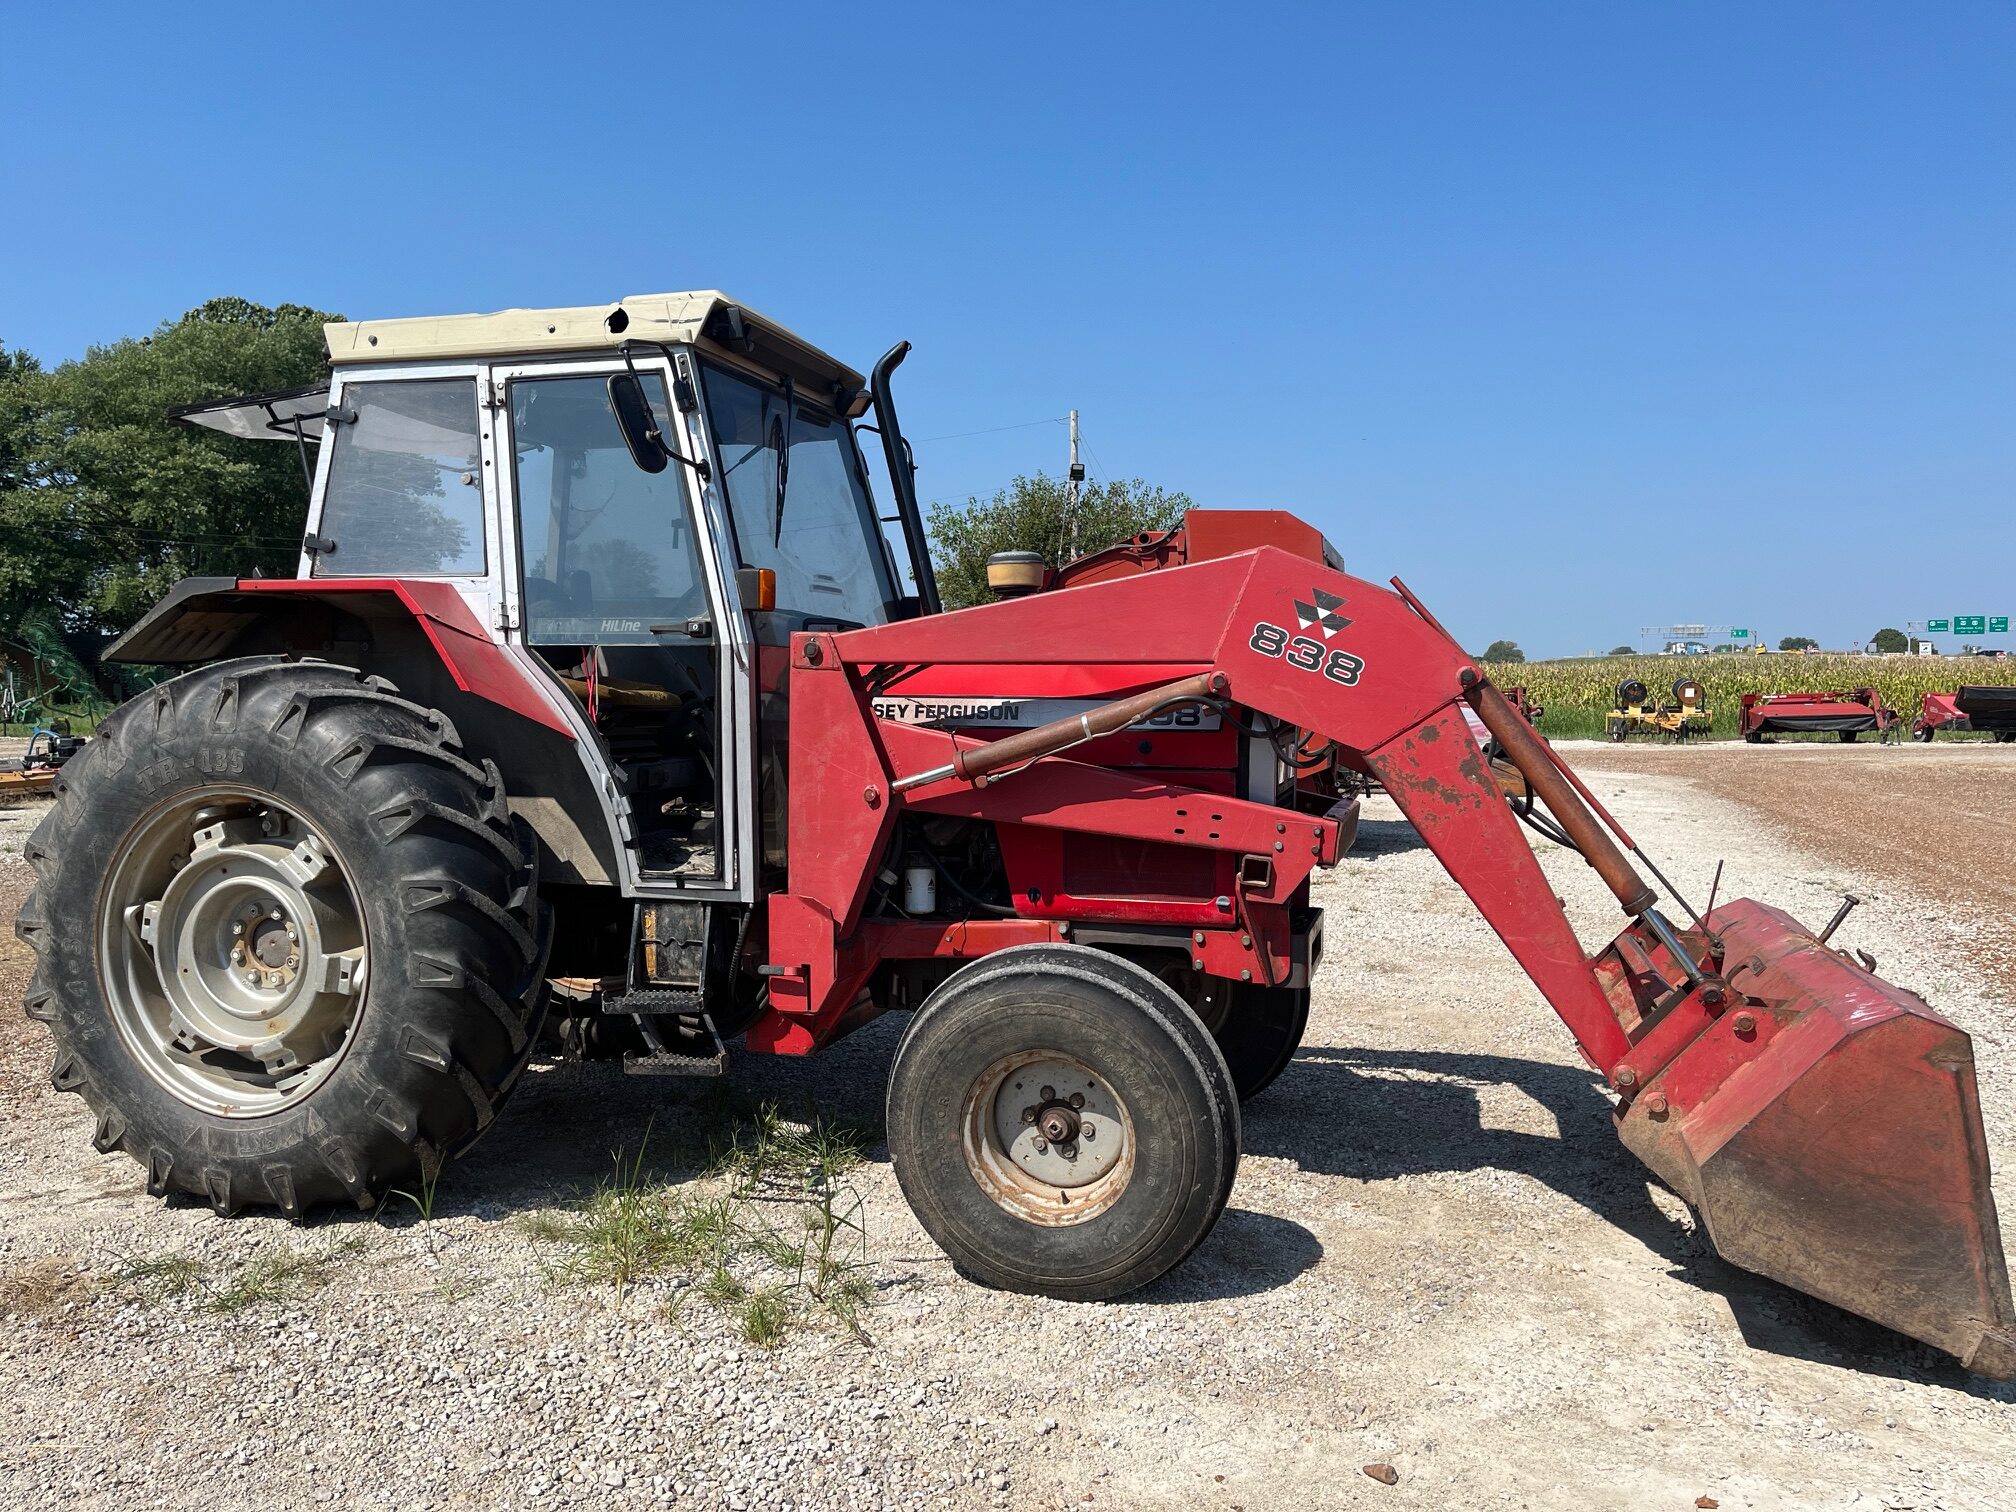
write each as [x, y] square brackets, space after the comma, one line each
[614, 595]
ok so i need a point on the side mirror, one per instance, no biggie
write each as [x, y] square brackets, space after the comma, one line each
[638, 424]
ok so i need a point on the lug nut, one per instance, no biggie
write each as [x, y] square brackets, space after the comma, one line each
[1042, 1146]
[276, 914]
[237, 929]
[1085, 1130]
[1077, 1099]
[1049, 1094]
[1028, 1115]
[293, 933]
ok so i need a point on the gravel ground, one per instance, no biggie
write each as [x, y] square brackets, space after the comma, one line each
[1436, 1257]
[1936, 815]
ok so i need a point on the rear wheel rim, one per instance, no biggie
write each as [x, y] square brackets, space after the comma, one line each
[1048, 1138]
[232, 951]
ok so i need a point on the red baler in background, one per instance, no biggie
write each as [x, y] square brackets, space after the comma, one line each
[1846, 714]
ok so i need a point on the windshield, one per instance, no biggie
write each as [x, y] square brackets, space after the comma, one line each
[821, 538]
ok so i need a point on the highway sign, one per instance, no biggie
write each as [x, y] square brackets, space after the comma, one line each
[1998, 624]
[1938, 625]
[1970, 624]
[1739, 635]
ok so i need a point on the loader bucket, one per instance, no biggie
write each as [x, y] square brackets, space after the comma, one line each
[1825, 1126]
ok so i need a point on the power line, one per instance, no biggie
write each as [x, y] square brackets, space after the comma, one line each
[1101, 466]
[992, 430]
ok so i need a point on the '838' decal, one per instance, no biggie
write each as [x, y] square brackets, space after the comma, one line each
[1335, 663]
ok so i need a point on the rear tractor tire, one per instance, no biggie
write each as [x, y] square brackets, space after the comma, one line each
[289, 940]
[1062, 1123]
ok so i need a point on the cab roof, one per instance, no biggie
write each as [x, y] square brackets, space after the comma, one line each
[705, 318]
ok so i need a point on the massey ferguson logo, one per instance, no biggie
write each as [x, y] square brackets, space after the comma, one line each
[1335, 663]
[1321, 615]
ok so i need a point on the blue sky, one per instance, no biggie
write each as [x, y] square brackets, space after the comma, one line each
[1580, 318]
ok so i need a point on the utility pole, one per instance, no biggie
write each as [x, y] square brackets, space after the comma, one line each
[1073, 476]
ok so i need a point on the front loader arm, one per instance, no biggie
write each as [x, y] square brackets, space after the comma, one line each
[1323, 652]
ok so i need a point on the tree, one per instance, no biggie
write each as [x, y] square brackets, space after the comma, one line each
[1503, 651]
[1034, 514]
[118, 502]
[1888, 640]
[1623, 651]
[1798, 643]
[19, 375]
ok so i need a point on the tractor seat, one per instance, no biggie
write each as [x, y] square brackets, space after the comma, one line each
[623, 693]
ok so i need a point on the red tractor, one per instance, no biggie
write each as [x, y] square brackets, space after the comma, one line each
[1844, 714]
[1989, 709]
[598, 668]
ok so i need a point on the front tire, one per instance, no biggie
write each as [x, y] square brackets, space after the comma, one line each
[289, 939]
[1062, 1123]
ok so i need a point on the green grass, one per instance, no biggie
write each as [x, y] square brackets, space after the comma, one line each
[765, 1315]
[281, 1273]
[632, 1227]
[160, 1277]
[762, 1227]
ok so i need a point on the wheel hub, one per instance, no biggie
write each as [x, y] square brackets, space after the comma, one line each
[1048, 1138]
[236, 953]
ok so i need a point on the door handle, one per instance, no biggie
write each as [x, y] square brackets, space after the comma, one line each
[701, 628]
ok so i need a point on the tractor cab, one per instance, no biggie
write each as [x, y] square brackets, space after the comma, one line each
[651, 595]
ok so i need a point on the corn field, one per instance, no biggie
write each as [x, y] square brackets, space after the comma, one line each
[1576, 694]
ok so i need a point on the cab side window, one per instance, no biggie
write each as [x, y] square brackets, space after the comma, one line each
[405, 491]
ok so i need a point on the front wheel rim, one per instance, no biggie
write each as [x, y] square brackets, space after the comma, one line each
[232, 951]
[1048, 1138]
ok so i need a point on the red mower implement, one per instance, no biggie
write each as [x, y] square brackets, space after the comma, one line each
[1845, 714]
[1989, 709]
[599, 670]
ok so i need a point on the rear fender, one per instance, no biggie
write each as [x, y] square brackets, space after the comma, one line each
[207, 619]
